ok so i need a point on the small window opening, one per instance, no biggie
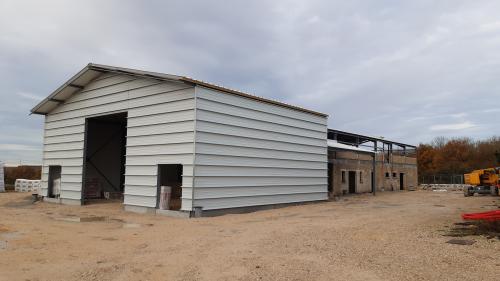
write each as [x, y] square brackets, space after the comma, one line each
[393, 175]
[386, 175]
[343, 176]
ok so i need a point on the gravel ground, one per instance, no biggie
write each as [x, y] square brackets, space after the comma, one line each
[392, 236]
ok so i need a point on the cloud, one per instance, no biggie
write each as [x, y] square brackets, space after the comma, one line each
[30, 96]
[390, 68]
[13, 146]
[452, 127]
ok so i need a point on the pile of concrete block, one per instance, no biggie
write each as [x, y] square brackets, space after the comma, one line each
[443, 187]
[23, 185]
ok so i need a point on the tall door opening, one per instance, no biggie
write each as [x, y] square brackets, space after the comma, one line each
[104, 165]
[54, 184]
[170, 177]
[401, 181]
[352, 181]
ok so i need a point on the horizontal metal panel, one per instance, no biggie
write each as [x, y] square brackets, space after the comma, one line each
[140, 190]
[160, 139]
[72, 186]
[204, 137]
[216, 128]
[152, 170]
[186, 204]
[65, 123]
[172, 106]
[108, 95]
[103, 83]
[66, 178]
[256, 105]
[137, 104]
[78, 153]
[141, 180]
[167, 117]
[65, 131]
[160, 159]
[213, 106]
[63, 139]
[222, 203]
[68, 194]
[187, 192]
[144, 201]
[257, 152]
[176, 148]
[63, 162]
[258, 124]
[255, 181]
[223, 160]
[226, 192]
[68, 170]
[229, 171]
[63, 146]
[184, 126]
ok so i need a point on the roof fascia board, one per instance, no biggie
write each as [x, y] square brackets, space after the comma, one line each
[51, 96]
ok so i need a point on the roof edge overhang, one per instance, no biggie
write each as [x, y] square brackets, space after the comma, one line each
[99, 68]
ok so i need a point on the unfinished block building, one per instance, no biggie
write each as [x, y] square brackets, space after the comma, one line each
[118, 133]
[360, 164]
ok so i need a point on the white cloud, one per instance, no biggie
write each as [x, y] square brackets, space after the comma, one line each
[394, 68]
[18, 147]
[452, 127]
[30, 96]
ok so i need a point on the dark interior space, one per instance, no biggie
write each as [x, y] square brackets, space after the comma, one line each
[104, 169]
[352, 182]
[372, 177]
[54, 184]
[170, 175]
[401, 181]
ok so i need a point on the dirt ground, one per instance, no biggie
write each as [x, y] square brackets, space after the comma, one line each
[392, 236]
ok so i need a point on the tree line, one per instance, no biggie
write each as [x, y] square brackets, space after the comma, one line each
[22, 172]
[457, 155]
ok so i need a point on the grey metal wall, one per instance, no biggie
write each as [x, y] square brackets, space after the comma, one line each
[252, 153]
[160, 129]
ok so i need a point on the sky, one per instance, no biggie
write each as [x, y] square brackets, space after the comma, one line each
[405, 70]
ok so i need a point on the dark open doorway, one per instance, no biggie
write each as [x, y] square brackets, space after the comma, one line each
[54, 184]
[352, 182]
[170, 175]
[104, 165]
[373, 182]
[401, 181]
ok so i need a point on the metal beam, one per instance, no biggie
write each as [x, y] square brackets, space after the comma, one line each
[56, 100]
[76, 86]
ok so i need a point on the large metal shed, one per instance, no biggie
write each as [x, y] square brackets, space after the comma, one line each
[122, 133]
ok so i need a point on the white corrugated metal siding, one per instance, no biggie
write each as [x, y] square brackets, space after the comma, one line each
[251, 153]
[160, 129]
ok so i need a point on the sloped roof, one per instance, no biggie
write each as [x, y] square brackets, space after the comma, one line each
[92, 71]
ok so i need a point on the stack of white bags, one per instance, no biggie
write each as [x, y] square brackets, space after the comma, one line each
[23, 185]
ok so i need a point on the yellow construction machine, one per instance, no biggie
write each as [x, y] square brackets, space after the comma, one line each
[484, 181]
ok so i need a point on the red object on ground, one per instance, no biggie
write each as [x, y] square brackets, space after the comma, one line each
[488, 216]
